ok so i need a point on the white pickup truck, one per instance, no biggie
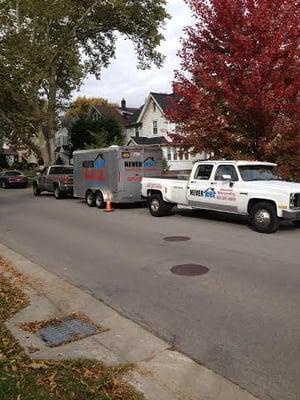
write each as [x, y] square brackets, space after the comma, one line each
[237, 187]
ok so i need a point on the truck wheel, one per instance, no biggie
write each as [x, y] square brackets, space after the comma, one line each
[90, 198]
[158, 207]
[99, 200]
[36, 190]
[58, 193]
[263, 217]
[296, 224]
[3, 185]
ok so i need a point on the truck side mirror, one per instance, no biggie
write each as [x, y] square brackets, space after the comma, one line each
[227, 178]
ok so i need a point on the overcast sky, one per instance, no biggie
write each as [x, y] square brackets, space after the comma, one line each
[123, 79]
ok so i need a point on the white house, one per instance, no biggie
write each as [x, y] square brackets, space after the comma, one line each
[62, 146]
[151, 126]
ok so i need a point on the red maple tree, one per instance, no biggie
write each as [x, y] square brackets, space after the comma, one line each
[239, 88]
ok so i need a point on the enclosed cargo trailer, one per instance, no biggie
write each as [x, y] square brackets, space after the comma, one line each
[114, 173]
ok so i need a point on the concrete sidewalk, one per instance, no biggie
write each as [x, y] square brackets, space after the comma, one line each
[161, 373]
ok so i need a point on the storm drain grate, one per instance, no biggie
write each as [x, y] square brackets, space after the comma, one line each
[67, 330]
[189, 270]
[177, 238]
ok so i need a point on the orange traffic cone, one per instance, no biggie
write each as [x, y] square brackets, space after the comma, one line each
[108, 207]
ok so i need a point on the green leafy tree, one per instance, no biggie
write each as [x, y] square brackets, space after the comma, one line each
[49, 46]
[88, 134]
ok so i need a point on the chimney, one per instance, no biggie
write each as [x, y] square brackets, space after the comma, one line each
[123, 104]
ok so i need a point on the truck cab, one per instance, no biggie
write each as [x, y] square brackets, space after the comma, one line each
[239, 187]
[57, 179]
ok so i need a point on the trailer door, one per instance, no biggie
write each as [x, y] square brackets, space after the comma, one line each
[134, 164]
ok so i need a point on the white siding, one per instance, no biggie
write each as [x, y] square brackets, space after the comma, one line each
[150, 115]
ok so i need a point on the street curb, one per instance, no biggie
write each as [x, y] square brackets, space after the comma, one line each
[160, 373]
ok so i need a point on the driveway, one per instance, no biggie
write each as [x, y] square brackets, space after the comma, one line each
[240, 319]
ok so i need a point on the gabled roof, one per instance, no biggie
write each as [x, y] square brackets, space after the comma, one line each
[110, 111]
[123, 115]
[160, 140]
[164, 100]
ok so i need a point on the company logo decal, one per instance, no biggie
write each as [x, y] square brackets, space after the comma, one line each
[94, 170]
[149, 164]
[209, 193]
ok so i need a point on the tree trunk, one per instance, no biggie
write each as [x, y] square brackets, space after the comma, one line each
[45, 146]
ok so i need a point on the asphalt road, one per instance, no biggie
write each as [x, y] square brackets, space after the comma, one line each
[241, 319]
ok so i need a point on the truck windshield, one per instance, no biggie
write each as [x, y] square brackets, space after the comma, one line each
[259, 173]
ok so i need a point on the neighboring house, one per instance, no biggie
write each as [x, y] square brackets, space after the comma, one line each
[151, 126]
[11, 156]
[123, 114]
[62, 147]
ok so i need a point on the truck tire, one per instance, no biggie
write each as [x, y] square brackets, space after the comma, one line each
[90, 198]
[3, 185]
[263, 217]
[58, 194]
[158, 207]
[99, 200]
[36, 189]
[296, 224]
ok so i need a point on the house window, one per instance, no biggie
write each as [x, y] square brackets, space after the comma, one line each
[180, 155]
[169, 154]
[137, 131]
[175, 155]
[155, 130]
[154, 107]
[186, 156]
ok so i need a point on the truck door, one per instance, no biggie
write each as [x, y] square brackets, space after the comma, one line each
[226, 185]
[200, 192]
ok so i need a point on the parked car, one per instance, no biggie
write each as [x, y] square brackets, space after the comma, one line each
[238, 187]
[13, 179]
[57, 179]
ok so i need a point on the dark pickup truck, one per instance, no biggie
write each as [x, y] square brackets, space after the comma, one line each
[57, 179]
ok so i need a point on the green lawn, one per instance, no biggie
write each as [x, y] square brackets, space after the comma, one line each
[23, 379]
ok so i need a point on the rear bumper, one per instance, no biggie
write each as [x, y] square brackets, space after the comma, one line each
[67, 188]
[16, 184]
[292, 215]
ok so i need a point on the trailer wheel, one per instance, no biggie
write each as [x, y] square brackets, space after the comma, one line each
[158, 207]
[99, 200]
[90, 198]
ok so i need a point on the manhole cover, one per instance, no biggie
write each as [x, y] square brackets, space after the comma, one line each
[67, 330]
[177, 238]
[189, 270]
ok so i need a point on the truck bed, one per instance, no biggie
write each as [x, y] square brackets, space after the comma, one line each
[173, 188]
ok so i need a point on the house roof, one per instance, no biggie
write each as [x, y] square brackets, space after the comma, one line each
[133, 119]
[9, 152]
[164, 100]
[160, 140]
[123, 115]
[110, 111]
